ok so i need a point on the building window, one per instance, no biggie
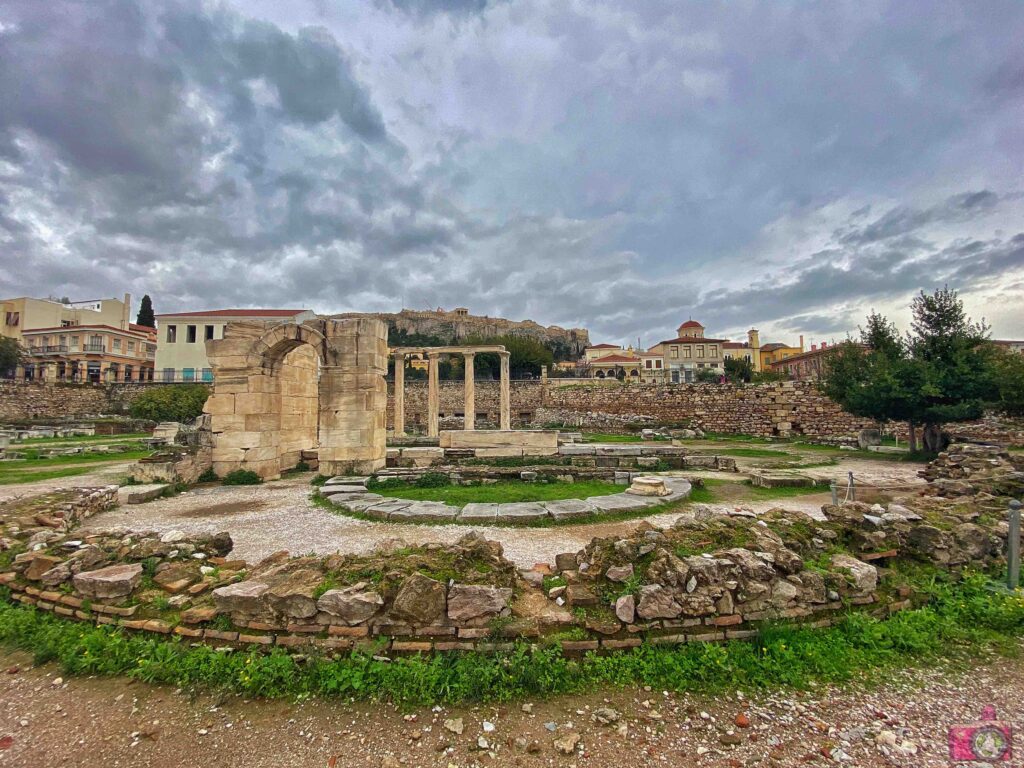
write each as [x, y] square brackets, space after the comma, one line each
[172, 334]
[188, 374]
[127, 373]
[131, 346]
[190, 334]
[209, 332]
[713, 351]
[207, 374]
[700, 350]
[168, 374]
[647, 363]
[117, 345]
[674, 352]
[74, 342]
[687, 351]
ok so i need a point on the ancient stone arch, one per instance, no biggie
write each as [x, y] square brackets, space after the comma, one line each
[281, 388]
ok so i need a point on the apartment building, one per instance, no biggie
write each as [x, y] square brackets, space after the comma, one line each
[690, 352]
[182, 337]
[88, 341]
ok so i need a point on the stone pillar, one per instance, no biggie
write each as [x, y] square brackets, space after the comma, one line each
[469, 408]
[399, 417]
[354, 397]
[506, 395]
[433, 396]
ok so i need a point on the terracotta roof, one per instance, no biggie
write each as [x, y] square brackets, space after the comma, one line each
[615, 359]
[773, 345]
[735, 345]
[237, 313]
[604, 346]
[693, 340]
[691, 324]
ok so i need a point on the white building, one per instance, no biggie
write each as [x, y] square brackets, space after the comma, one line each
[182, 337]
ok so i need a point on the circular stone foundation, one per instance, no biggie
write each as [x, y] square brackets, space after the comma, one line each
[350, 494]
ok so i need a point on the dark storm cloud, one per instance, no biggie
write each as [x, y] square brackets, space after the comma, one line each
[609, 164]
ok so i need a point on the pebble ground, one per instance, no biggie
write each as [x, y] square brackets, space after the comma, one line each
[90, 722]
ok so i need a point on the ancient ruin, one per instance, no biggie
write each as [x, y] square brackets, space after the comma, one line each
[281, 389]
[433, 355]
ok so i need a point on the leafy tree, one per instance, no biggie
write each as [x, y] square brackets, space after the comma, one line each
[526, 356]
[739, 370]
[145, 316]
[170, 402]
[1009, 372]
[707, 376]
[945, 370]
[11, 355]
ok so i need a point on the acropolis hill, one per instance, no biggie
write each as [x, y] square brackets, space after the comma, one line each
[456, 325]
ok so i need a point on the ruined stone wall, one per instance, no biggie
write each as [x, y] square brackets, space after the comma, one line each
[21, 402]
[755, 409]
[60, 401]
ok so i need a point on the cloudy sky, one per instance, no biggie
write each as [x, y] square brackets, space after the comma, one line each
[615, 165]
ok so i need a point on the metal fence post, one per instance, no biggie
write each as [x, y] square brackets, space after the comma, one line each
[1013, 546]
[835, 494]
[853, 491]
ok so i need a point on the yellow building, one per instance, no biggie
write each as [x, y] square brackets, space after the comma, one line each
[27, 314]
[776, 352]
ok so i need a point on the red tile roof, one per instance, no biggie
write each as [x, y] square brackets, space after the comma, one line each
[615, 359]
[691, 324]
[603, 346]
[237, 313]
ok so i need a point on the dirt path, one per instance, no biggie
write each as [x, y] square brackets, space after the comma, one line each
[91, 722]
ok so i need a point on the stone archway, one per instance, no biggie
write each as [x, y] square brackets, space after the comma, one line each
[260, 410]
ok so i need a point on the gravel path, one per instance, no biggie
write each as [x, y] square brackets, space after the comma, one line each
[89, 722]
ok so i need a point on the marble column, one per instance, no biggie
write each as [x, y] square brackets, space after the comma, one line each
[399, 418]
[469, 408]
[506, 394]
[433, 396]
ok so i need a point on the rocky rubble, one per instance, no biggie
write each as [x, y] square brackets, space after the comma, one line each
[966, 469]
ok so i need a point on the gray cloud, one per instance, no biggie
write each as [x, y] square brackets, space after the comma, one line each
[619, 166]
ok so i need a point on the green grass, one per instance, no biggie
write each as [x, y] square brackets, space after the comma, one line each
[83, 439]
[960, 623]
[603, 437]
[39, 469]
[502, 492]
[78, 458]
[8, 477]
[752, 453]
[786, 492]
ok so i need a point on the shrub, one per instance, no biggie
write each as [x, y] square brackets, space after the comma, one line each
[209, 476]
[242, 477]
[433, 480]
[171, 402]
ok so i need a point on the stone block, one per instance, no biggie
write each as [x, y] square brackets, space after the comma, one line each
[521, 512]
[566, 509]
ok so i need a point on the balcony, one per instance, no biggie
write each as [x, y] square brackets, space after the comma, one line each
[93, 348]
[51, 349]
